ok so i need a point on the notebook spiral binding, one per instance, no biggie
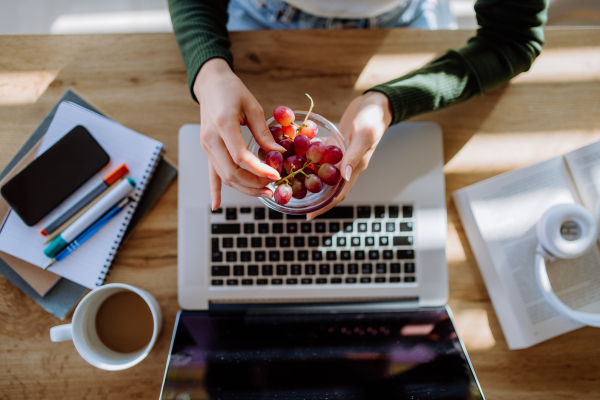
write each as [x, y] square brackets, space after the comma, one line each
[139, 191]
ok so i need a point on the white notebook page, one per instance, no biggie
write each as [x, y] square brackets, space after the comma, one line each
[87, 264]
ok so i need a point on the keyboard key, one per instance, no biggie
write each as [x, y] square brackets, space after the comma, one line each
[217, 282]
[383, 240]
[247, 282]
[238, 270]
[278, 227]
[369, 241]
[220, 270]
[303, 255]
[394, 279]
[245, 256]
[406, 226]
[313, 241]
[267, 270]
[245, 210]
[291, 281]
[306, 281]
[359, 255]
[395, 268]
[324, 269]
[367, 268]
[331, 255]
[290, 217]
[380, 279]
[393, 211]
[317, 255]
[226, 229]
[285, 241]
[350, 280]
[215, 244]
[403, 240]
[405, 254]
[353, 269]
[298, 241]
[355, 241]
[231, 214]
[252, 270]
[281, 269]
[409, 268]
[409, 279]
[376, 227]
[288, 255]
[256, 242]
[334, 227]
[306, 227]
[259, 213]
[296, 269]
[365, 280]
[341, 241]
[275, 214]
[228, 242]
[390, 227]
[232, 282]
[327, 241]
[388, 255]
[373, 255]
[338, 212]
[263, 228]
[407, 212]
[338, 269]
[260, 256]
[217, 256]
[362, 227]
[336, 280]
[380, 268]
[310, 269]
[379, 211]
[292, 227]
[231, 256]
[321, 281]
[241, 242]
[271, 241]
[320, 227]
[348, 227]
[248, 229]
[345, 255]
[262, 281]
[274, 255]
[276, 281]
[363, 211]
[218, 211]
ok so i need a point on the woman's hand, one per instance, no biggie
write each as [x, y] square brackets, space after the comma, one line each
[225, 104]
[362, 125]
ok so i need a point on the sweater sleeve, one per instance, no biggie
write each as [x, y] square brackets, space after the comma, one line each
[509, 39]
[200, 27]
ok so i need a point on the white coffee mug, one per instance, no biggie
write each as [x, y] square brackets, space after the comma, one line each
[82, 329]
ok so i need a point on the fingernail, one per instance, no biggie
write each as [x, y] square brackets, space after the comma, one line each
[213, 205]
[348, 172]
[309, 217]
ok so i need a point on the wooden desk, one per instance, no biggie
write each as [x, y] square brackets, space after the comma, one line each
[140, 81]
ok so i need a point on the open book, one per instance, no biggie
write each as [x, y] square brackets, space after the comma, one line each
[500, 217]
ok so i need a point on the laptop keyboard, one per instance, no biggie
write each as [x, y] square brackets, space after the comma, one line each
[348, 245]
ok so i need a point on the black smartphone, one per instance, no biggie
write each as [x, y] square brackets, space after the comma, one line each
[54, 175]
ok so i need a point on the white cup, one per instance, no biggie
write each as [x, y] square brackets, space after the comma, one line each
[82, 329]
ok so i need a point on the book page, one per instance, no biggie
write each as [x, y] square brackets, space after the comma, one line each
[506, 210]
[584, 165]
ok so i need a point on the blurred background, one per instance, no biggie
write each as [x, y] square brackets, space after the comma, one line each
[122, 16]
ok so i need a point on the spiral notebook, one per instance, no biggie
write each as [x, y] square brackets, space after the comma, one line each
[89, 263]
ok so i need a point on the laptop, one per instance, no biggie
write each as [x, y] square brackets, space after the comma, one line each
[348, 305]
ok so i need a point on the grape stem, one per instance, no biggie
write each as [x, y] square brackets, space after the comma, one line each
[303, 125]
[294, 173]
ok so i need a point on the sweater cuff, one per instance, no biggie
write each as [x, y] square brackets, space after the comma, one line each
[195, 64]
[396, 98]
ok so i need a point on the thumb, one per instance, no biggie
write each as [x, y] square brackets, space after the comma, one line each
[255, 119]
[359, 144]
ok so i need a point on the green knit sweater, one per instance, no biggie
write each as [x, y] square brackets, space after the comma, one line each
[509, 39]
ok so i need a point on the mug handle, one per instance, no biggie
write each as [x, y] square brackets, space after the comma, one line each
[61, 333]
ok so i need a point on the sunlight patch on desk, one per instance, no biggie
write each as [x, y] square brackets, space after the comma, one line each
[114, 22]
[17, 88]
[383, 67]
[563, 65]
[454, 252]
[474, 329]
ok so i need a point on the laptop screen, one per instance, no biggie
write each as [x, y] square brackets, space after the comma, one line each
[375, 355]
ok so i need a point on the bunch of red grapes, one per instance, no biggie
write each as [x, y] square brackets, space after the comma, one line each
[308, 163]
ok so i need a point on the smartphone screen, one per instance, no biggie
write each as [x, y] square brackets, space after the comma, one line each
[54, 175]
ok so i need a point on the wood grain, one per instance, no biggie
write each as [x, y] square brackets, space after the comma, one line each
[140, 81]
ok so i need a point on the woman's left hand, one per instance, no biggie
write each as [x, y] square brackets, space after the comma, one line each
[362, 125]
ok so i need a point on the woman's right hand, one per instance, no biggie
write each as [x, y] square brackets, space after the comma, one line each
[225, 104]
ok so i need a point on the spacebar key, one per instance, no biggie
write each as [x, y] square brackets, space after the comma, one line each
[228, 229]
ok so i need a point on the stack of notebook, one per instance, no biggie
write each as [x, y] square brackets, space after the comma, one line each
[21, 249]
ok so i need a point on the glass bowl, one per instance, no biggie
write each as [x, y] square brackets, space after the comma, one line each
[330, 135]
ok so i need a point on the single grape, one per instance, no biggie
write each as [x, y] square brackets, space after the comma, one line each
[313, 183]
[298, 189]
[329, 174]
[301, 143]
[316, 140]
[315, 152]
[289, 131]
[283, 194]
[310, 129]
[274, 160]
[333, 155]
[284, 115]
[308, 171]
[277, 133]
[262, 154]
[294, 163]
[288, 145]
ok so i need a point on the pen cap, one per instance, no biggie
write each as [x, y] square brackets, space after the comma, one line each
[55, 247]
[116, 174]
